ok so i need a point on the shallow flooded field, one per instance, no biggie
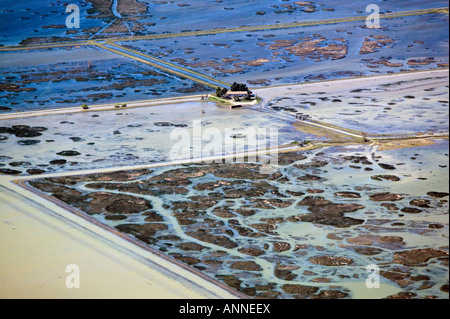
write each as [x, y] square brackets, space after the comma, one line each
[393, 108]
[337, 207]
[125, 137]
[309, 230]
[61, 77]
[86, 74]
[304, 54]
[37, 22]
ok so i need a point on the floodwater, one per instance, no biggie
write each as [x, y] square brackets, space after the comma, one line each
[389, 232]
[138, 136]
[258, 58]
[266, 214]
[24, 19]
[62, 77]
[406, 107]
[268, 57]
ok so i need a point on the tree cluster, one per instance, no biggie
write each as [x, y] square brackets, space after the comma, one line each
[221, 92]
[239, 87]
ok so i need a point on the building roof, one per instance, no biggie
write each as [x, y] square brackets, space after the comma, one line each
[237, 92]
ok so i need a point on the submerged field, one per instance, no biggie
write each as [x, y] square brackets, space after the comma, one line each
[365, 182]
[124, 137]
[63, 77]
[31, 22]
[314, 53]
[84, 72]
[307, 231]
[392, 108]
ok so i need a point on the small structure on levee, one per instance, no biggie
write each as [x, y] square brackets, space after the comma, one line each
[236, 95]
[238, 92]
